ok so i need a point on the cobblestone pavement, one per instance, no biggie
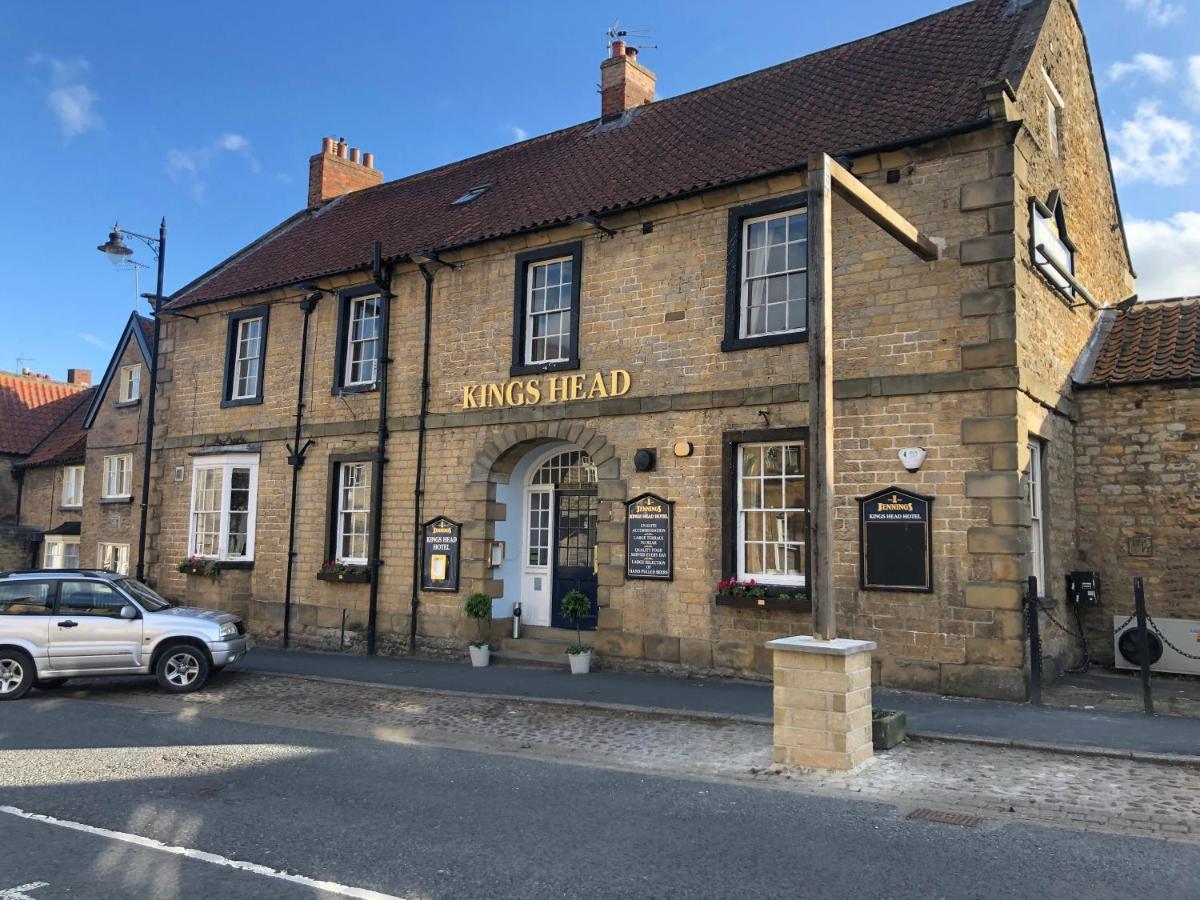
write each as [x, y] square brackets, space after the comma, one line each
[998, 784]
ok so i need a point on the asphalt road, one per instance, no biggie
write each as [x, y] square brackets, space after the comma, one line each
[423, 822]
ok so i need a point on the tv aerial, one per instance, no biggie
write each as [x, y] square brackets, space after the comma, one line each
[617, 33]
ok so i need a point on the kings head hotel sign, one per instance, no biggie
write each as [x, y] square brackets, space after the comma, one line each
[895, 546]
[546, 389]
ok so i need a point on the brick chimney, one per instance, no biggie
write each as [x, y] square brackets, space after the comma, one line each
[82, 377]
[624, 82]
[338, 170]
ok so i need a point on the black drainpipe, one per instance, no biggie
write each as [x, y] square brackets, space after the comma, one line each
[418, 490]
[296, 454]
[383, 280]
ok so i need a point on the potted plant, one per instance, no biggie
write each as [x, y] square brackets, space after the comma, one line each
[195, 565]
[889, 727]
[479, 608]
[576, 607]
[332, 570]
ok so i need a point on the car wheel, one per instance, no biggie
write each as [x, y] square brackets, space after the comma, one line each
[49, 684]
[182, 669]
[17, 674]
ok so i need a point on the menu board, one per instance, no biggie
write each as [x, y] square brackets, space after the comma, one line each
[649, 538]
[439, 568]
[895, 546]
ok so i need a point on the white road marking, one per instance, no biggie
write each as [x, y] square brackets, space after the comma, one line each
[200, 855]
[18, 893]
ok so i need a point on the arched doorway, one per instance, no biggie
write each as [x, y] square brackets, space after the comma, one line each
[558, 551]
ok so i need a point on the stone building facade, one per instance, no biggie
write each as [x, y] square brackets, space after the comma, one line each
[273, 370]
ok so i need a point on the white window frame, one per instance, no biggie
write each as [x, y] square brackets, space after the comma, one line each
[226, 464]
[566, 290]
[747, 278]
[61, 543]
[130, 384]
[72, 487]
[119, 554]
[340, 533]
[740, 549]
[243, 359]
[124, 486]
[1055, 105]
[1037, 525]
[354, 304]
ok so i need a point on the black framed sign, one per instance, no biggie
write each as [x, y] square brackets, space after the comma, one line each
[440, 556]
[895, 541]
[649, 538]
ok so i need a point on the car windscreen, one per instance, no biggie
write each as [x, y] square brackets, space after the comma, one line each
[150, 601]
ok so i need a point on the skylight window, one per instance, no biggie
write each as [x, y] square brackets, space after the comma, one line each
[473, 194]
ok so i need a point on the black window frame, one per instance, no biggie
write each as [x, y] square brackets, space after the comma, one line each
[574, 250]
[730, 441]
[336, 460]
[234, 320]
[733, 275]
[345, 296]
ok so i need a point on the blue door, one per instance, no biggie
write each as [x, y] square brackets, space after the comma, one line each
[574, 553]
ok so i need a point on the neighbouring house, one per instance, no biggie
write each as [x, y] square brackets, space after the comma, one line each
[580, 362]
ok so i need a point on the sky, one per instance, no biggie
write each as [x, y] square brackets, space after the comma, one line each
[207, 113]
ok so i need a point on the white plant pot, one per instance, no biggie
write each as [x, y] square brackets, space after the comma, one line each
[480, 656]
[581, 663]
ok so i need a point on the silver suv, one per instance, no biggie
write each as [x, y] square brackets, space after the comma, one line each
[57, 624]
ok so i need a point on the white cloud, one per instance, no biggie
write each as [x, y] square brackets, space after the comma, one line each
[518, 132]
[1166, 255]
[188, 166]
[92, 339]
[68, 96]
[1153, 147]
[1194, 81]
[1159, 13]
[1156, 68]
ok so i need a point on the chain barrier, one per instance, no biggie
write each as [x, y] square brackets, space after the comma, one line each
[1086, 663]
[1164, 639]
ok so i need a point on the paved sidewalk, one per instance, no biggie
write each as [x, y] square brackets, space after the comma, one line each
[928, 714]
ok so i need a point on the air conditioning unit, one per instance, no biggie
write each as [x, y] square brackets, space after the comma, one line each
[1183, 633]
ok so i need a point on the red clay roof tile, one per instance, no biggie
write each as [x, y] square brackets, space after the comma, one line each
[28, 409]
[1154, 341]
[921, 78]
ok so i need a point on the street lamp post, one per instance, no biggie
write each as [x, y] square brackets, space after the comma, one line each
[117, 252]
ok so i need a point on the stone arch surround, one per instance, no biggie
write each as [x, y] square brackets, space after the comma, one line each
[494, 464]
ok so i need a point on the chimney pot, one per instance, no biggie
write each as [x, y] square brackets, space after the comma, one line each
[631, 52]
[341, 148]
[618, 49]
[327, 145]
[354, 157]
[368, 160]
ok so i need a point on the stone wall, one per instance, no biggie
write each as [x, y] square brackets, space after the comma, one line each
[18, 547]
[1137, 467]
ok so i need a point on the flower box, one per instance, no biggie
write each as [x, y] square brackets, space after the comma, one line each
[205, 567]
[345, 577]
[751, 595]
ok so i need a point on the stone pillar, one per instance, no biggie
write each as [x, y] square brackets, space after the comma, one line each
[822, 702]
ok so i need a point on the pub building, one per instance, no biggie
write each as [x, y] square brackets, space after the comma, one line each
[581, 362]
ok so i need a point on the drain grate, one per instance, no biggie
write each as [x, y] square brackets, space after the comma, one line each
[945, 818]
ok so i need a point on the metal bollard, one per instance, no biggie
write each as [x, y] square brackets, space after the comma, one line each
[516, 617]
[1139, 605]
[1035, 642]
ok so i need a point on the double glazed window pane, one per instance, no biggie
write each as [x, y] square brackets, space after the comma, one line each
[772, 511]
[362, 350]
[248, 365]
[775, 274]
[354, 504]
[548, 307]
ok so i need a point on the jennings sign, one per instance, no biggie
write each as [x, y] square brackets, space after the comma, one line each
[439, 565]
[895, 546]
[649, 538]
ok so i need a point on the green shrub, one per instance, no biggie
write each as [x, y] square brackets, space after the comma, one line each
[479, 608]
[576, 607]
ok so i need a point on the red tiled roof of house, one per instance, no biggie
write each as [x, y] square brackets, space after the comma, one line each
[1154, 341]
[28, 409]
[914, 81]
[66, 441]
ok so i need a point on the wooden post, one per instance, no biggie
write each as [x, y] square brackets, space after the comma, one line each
[825, 176]
[820, 397]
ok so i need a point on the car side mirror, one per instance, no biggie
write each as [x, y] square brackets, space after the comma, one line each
[128, 612]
